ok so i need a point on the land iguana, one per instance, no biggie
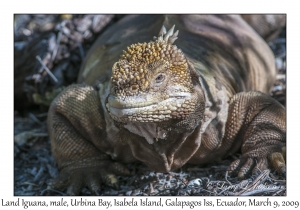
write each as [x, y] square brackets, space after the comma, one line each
[168, 103]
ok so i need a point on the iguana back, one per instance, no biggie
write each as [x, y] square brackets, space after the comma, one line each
[222, 47]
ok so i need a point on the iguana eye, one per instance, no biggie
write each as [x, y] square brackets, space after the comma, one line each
[159, 78]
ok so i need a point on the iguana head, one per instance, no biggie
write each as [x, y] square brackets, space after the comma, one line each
[152, 82]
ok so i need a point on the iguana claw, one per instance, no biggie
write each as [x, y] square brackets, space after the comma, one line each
[244, 166]
[74, 180]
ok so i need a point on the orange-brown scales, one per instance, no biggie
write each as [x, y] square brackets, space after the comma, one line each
[155, 61]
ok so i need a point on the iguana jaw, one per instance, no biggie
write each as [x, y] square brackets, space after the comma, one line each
[149, 108]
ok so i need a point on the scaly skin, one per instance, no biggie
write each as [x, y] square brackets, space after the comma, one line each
[167, 105]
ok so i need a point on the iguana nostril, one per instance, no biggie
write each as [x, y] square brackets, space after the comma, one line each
[134, 88]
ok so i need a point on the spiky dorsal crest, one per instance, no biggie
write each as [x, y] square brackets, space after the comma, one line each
[167, 37]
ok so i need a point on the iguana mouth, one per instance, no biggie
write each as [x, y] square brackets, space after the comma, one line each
[137, 101]
[149, 109]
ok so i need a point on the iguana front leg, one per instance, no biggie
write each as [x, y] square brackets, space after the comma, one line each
[256, 123]
[77, 134]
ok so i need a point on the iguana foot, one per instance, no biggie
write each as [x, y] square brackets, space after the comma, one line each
[245, 165]
[258, 122]
[73, 180]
